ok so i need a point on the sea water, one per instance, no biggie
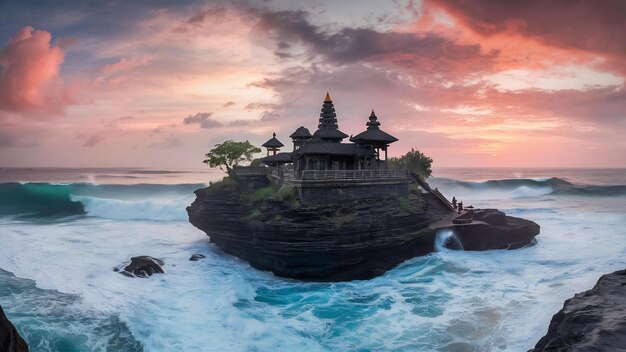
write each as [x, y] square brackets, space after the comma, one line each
[62, 231]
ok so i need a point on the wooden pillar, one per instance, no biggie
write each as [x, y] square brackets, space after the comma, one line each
[386, 164]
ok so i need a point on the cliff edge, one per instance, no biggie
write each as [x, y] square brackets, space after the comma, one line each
[10, 339]
[593, 320]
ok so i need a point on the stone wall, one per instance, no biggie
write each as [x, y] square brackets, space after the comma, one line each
[331, 192]
[249, 183]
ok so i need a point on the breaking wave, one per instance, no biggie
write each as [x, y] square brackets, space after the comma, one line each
[142, 201]
[523, 187]
[446, 239]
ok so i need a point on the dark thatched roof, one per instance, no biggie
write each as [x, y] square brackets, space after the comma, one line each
[278, 158]
[373, 134]
[302, 132]
[273, 143]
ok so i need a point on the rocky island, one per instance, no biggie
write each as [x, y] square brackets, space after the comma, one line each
[333, 211]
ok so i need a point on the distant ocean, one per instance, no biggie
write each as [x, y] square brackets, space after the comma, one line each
[63, 230]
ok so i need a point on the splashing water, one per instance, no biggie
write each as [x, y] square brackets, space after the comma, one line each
[446, 240]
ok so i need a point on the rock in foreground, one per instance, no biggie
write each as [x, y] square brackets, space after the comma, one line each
[10, 340]
[196, 257]
[142, 266]
[594, 320]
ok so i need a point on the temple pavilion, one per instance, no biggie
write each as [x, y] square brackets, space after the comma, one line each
[325, 149]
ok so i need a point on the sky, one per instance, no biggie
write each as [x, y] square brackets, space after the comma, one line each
[158, 83]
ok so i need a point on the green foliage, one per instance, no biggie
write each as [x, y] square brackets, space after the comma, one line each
[285, 193]
[230, 154]
[224, 185]
[261, 194]
[414, 161]
[340, 220]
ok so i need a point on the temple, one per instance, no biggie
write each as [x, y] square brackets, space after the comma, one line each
[325, 149]
[325, 169]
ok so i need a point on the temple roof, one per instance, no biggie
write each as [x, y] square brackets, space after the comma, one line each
[330, 134]
[328, 128]
[278, 158]
[374, 134]
[301, 133]
[273, 143]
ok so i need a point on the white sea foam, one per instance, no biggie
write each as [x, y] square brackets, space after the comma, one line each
[147, 209]
[448, 300]
[445, 239]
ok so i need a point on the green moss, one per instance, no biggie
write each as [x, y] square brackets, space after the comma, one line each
[255, 213]
[261, 194]
[414, 188]
[289, 195]
[413, 203]
[340, 220]
[226, 184]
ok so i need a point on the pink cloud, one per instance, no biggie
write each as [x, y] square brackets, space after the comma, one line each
[29, 79]
[125, 64]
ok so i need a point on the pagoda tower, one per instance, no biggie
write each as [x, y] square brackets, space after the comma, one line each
[273, 145]
[328, 130]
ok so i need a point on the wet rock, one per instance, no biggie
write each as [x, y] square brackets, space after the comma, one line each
[142, 266]
[507, 232]
[593, 320]
[197, 257]
[490, 216]
[10, 339]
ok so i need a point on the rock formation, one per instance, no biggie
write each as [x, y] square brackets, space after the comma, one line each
[492, 229]
[196, 257]
[10, 340]
[594, 320]
[142, 266]
[342, 239]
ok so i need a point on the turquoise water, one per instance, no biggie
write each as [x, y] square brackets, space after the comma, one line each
[60, 242]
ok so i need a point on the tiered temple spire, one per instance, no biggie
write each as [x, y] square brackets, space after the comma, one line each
[373, 123]
[328, 128]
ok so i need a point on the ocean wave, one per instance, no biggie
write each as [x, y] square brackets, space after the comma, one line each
[141, 201]
[523, 187]
[38, 200]
[151, 209]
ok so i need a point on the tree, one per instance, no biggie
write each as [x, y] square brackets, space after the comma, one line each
[414, 161]
[230, 154]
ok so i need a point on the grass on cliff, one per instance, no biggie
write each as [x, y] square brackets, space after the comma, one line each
[225, 184]
[286, 193]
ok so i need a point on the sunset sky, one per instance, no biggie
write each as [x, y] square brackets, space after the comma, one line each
[158, 83]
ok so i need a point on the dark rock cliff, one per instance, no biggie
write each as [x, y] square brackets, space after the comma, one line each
[10, 340]
[345, 239]
[594, 320]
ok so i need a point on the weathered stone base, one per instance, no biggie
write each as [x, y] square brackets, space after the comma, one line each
[343, 239]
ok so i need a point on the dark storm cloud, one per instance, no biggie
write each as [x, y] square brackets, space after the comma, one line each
[203, 119]
[426, 52]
